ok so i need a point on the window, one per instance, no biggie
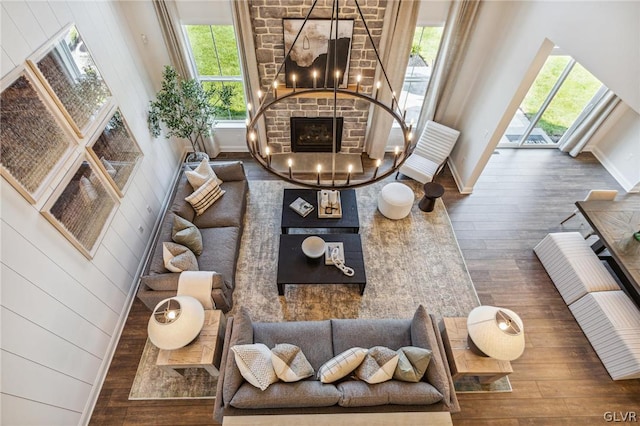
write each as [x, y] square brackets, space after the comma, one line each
[558, 96]
[424, 50]
[214, 54]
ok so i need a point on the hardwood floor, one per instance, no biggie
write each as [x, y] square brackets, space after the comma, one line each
[521, 196]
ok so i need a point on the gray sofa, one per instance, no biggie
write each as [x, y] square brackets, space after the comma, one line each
[221, 229]
[320, 341]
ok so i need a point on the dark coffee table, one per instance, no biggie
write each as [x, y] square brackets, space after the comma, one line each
[349, 221]
[296, 268]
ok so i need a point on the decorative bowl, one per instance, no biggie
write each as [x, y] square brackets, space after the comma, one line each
[313, 247]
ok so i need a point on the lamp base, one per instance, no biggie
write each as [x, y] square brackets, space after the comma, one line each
[473, 348]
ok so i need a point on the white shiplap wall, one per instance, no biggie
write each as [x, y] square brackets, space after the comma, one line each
[60, 313]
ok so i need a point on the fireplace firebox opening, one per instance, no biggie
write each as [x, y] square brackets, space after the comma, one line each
[315, 134]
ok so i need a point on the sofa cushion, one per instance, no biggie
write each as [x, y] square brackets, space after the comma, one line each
[220, 248]
[289, 363]
[423, 335]
[205, 196]
[179, 206]
[341, 365]
[312, 337]
[367, 333]
[229, 171]
[360, 394]
[241, 334]
[200, 175]
[378, 365]
[228, 210]
[161, 282]
[412, 363]
[187, 234]
[307, 393]
[254, 362]
[178, 258]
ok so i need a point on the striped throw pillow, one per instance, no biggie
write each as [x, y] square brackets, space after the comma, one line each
[204, 197]
[341, 365]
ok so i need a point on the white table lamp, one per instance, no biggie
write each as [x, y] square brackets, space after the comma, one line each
[496, 332]
[176, 322]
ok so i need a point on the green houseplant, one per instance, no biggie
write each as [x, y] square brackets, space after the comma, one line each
[187, 110]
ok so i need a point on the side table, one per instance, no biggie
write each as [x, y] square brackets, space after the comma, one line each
[462, 361]
[432, 191]
[204, 352]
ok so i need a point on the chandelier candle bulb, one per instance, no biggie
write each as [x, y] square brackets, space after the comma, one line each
[375, 173]
[315, 78]
[396, 151]
[290, 163]
[358, 79]
[319, 168]
[249, 109]
[267, 151]
[259, 94]
[377, 90]
[275, 89]
[293, 78]
[350, 168]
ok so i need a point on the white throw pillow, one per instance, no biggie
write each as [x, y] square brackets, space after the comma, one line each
[204, 197]
[254, 362]
[198, 176]
[378, 365]
[289, 363]
[341, 365]
[178, 258]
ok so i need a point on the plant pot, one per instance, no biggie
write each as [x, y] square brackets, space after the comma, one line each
[196, 157]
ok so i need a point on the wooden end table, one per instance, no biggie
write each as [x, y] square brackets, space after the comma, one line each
[462, 361]
[204, 352]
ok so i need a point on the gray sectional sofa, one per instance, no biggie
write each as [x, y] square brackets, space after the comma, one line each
[221, 228]
[320, 341]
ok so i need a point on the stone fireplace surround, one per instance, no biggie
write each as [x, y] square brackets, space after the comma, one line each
[266, 20]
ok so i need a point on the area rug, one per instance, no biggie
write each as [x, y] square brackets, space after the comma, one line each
[152, 382]
[408, 262]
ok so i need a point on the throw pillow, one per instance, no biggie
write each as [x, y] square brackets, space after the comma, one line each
[187, 234]
[289, 363]
[412, 363]
[341, 365]
[378, 365]
[178, 258]
[198, 176]
[204, 197]
[254, 362]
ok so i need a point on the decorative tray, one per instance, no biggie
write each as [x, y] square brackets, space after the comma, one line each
[332, 211]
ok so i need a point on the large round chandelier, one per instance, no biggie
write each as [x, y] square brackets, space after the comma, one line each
[324, 87]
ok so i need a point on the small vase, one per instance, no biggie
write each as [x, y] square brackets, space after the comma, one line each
[196, 157]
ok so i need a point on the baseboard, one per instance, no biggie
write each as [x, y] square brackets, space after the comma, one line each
[613, 170]
[124, 314]
[458, 179]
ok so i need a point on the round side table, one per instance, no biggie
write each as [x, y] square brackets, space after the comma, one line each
[432, 191]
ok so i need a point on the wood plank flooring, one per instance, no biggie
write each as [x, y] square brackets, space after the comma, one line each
[521, 196]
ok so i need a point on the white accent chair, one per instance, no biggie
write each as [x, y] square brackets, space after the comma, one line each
[431, 152]
[595, 195]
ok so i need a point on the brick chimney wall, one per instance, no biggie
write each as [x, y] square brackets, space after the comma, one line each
[266, 18]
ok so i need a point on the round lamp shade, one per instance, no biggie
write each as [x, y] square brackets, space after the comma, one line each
[497, 332]
[175, 322]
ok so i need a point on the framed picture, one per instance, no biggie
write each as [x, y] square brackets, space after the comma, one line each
[82, 206]
[312, 49]
[116, 152]
[69, 74]
[34, 145]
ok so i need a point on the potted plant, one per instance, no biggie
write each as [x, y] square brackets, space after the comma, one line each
[187, 110]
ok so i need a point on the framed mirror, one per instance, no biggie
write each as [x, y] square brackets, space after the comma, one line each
[34, 144]
[116, 152]
[67, 70]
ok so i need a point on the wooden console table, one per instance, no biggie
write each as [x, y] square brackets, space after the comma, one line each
[462, 361]
[204, 352]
